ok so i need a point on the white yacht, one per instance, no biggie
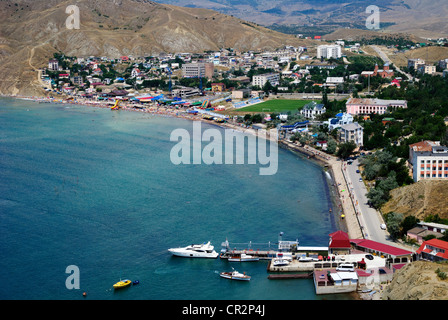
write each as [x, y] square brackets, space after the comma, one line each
[205, 250]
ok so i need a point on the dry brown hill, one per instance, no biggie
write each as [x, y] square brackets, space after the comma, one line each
[420, 199]
[32, 30]
[418, 281]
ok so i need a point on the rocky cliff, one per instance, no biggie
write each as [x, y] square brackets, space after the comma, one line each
[420, 199]
[418, 281]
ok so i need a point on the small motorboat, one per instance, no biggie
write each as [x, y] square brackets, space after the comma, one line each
[135, 282]
[243, 257]
[307, 259]
[122, 284]
[235, 275]
[278, 262]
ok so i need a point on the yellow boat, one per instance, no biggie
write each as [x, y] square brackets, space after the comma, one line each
[122, 284]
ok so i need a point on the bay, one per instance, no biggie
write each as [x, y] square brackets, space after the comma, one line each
[96, 189]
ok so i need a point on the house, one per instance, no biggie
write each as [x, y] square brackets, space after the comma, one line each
[53, 65]
[322, 144]
[418, 234]
[352, 132]
[312, 110]
[135, 73]
[429, 160]
[218, 87]
[334, 81]
[433, 250]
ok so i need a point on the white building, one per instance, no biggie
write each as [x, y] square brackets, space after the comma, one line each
[429, 160]
[312, 110]
[351, 132]
[261, 79]
[329, 51]
[339, 120]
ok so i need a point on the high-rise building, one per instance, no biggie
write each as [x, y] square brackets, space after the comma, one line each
[329, 51]
[261, 79]
[198, 70]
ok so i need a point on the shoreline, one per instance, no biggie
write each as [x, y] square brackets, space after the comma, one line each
[328, 162]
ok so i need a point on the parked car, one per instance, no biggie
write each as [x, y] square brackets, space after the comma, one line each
[383, 226]
[369, 256]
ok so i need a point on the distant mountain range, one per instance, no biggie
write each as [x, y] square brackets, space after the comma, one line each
[421, 17]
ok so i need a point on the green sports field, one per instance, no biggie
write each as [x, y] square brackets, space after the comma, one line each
[276, 106]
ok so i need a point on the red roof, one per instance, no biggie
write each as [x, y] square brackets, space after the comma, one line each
[436, 243]
[339, 239]
[380, 247]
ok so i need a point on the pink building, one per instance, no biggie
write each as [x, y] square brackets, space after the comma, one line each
[367, 106]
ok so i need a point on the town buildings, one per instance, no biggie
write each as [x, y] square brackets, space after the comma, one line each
[429, 160]
[357, 106]
[415, 63]
[339, 120]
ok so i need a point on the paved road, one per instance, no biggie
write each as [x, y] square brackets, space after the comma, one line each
[386, 59]
[370, 218]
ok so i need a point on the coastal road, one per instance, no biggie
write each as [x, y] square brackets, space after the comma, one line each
[370, 218]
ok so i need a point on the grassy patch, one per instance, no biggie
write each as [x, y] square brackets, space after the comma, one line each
[276, 106]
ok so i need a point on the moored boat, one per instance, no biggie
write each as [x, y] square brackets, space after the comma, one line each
[122, 284]
[243, 257]
[235, 275]
[205, 250]
[279, 262]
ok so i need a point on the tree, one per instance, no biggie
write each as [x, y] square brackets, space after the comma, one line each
[331, 146]
[408, 223]
[393, 222]
[346, 149]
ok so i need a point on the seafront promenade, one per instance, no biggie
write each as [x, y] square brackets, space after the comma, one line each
[340, 182]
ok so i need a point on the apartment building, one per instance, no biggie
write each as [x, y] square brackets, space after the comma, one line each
[429, 160]
[357, 106]
[415, 63]
[261, 79]
[329, 51]
[351, 132]
[198, 70]
[427, 69]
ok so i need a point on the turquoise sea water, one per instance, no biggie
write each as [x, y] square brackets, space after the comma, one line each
[96, 189]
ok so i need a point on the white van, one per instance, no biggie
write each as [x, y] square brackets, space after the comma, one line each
[345, 267]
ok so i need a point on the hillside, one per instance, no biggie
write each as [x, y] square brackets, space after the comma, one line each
[418, 281]
[426, 18]
[420, 199]
[32, 30]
